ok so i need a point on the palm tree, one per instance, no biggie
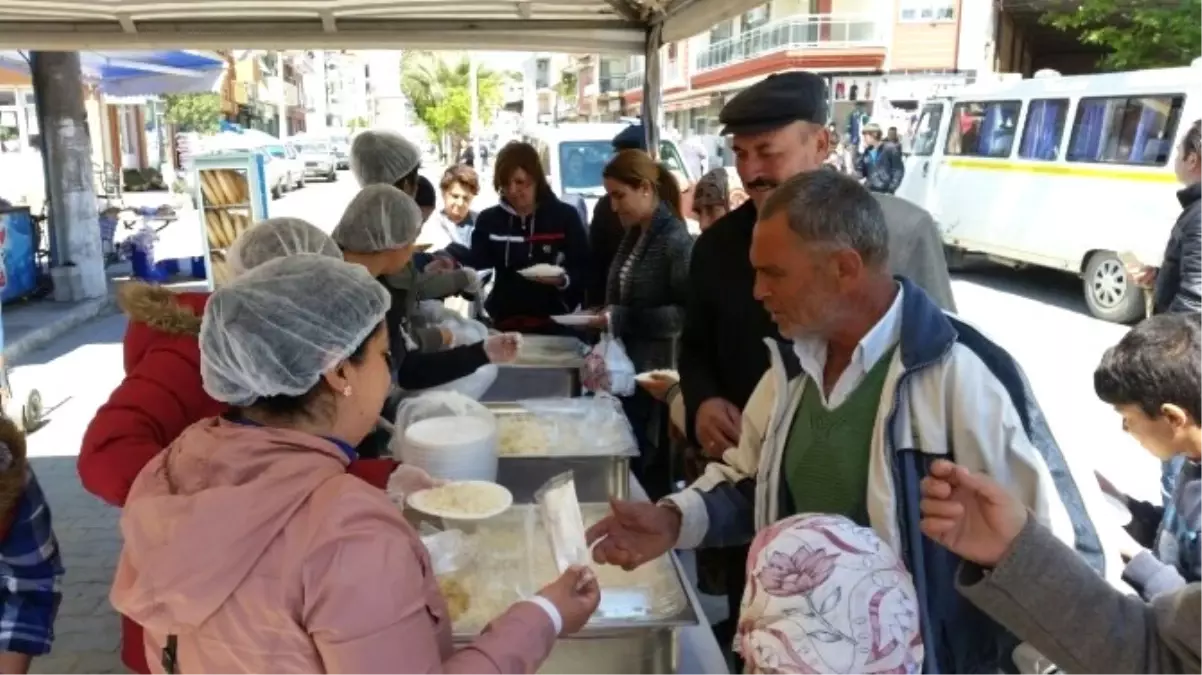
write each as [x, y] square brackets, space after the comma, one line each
[438, 87]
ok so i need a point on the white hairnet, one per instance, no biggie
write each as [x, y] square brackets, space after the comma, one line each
[379, 156]
[379, 218]
[274, 330]
[277, 238]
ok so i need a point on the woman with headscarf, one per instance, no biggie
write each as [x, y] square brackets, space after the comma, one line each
[162, 391]
[247, 548]
[378, 231]
[645, 297]
[530, 226]
[825, 595]
[711, 198]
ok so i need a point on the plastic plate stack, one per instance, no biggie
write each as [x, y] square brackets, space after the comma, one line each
[452, 448]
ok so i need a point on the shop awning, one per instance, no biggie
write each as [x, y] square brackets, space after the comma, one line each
[141, 73]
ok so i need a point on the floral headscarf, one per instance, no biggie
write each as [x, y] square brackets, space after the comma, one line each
[825, 595]
[712, 190]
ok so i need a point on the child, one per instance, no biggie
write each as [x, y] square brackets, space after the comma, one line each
[31, 570]
[1153, 378]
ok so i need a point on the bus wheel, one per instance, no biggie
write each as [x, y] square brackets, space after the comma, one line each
[1110, 293]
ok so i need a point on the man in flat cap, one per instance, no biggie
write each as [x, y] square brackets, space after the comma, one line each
[779, 130]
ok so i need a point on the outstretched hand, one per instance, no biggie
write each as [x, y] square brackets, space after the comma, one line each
[969, 514]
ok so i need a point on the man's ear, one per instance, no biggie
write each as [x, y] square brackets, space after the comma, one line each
[1175, 415]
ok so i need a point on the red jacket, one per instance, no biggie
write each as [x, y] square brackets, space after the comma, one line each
[161, 395]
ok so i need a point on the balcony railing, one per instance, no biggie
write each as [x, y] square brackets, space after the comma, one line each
[807, 31]
[612, 84]
[634, 80]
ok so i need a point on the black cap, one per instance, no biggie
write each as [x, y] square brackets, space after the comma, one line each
[633, 137]
[425, 197]
[776, 100]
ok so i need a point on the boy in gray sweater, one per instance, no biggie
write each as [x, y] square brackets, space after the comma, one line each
[1044, 593]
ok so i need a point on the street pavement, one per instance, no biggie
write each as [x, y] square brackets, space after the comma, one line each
[1038, 316]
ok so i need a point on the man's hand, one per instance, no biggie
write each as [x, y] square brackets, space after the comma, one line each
[657, 383]
[634, 533]
[969, 514]
[719, 424]
[1144, 276]
[558, 281]
[439, 265]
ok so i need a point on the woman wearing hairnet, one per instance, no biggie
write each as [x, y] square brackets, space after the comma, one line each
[378, 230]
[162, 391]
[385, 157]
[281, 562]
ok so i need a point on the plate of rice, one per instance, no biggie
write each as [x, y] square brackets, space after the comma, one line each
[463, 500]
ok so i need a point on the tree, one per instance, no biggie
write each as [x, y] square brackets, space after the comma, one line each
[438, 88]
[357, 123]
[1137, 33]
[194, 112]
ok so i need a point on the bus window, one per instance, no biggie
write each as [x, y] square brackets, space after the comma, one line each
[926, 133]
[983, 129]
[1125, 130]
[1043, 129]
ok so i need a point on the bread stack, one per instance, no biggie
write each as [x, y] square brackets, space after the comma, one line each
[227, 214]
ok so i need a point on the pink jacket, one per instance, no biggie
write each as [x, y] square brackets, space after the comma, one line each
[261, 554]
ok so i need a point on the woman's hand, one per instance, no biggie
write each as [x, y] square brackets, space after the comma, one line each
[405, 480]
[503, 348]
[969, 514]
[576, 595]
[439, 265]
[600, 320]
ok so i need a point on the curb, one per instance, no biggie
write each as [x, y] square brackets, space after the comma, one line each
[71, 319]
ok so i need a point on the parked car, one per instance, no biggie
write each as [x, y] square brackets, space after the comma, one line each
[292, 168]
[319, 159]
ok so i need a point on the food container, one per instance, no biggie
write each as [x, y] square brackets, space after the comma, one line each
[636, 629]
[590, 437]
[546, 366]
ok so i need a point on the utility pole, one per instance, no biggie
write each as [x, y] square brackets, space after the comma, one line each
[473, 85]
[281, 96]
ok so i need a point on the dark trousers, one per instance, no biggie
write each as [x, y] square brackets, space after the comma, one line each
[649, 419]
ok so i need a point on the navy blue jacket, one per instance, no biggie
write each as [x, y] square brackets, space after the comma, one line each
[507, 243]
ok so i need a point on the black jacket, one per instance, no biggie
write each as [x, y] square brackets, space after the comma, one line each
[414, 370]
[886, 172]
[722, 353]
[605, 234]
[1179, 281]
[508, 243]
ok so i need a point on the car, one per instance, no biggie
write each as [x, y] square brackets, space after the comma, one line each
[292, 169]
[319, 159]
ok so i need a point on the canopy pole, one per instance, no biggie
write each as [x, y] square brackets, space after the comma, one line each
[652, 91]
[473, 133]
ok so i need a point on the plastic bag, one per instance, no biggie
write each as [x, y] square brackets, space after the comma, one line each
[559, 508]
[473, 386]
[432, 404]
[608, 369]
[593, 425]
[464, 331]
[450, 550]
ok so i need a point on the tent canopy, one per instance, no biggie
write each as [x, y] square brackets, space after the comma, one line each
[138, 73]
[607, 26]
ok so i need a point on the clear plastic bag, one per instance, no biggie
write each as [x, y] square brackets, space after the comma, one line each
[608, 369]
[450, 551]
[559, 509]
[586, 426]
[429, 405]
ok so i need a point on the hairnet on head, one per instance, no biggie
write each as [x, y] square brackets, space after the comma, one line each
[379, 218]
[274, 330]
[379, 156]
[277, 238]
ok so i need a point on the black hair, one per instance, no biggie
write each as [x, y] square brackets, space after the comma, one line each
[425, 196]
[285, 406]
[1191, 143]
[408, 183]
[1157, 362]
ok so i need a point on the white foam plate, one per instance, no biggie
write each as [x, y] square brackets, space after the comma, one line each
[1120, 511]
[542, 271]
[504, 498]
[574, 319]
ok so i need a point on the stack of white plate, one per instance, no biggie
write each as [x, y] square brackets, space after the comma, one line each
[452, 448]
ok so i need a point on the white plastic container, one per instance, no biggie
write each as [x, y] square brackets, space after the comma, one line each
[452, 448]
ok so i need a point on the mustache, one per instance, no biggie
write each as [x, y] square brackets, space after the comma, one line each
[762, 184]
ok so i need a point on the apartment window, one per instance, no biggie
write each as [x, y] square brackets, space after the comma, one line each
[722, 31]
[755, 18]
[1125, 130]
[984, 129]
[928, 10]
[8, 97]
[1043, 129]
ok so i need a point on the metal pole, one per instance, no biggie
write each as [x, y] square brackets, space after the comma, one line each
[281, 97]
[475, 99]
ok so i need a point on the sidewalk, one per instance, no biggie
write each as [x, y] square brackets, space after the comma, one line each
[32, 324]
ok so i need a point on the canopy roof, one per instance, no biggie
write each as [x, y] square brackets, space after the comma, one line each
[525, 25]
[135, 73]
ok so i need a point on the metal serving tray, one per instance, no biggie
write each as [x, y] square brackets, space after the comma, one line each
[547, 366]
[598, 476]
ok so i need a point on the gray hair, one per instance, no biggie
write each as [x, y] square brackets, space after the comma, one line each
[827, 206]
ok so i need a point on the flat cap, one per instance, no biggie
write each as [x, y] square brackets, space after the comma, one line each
[776, 100]
[633, 137]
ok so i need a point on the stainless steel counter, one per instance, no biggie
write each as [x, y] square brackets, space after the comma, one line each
[547, 366]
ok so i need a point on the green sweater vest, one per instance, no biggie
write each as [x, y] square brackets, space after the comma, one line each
[827, 452]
